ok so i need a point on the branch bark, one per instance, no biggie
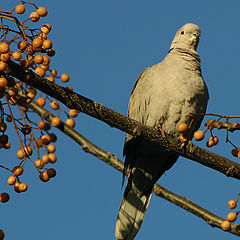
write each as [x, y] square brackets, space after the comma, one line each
[115, 119]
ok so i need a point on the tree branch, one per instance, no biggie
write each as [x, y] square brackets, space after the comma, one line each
[115, 119]
[113, 161]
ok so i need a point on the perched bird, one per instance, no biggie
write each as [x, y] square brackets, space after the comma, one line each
[162, 97]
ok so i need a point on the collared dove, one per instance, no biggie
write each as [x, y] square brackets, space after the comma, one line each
[162, 97]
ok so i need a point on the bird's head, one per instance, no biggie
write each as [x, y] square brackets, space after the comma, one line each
[187, 37]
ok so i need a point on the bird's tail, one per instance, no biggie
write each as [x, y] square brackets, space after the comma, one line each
[134, 205]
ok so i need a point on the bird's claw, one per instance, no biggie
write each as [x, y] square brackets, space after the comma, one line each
[160, 130]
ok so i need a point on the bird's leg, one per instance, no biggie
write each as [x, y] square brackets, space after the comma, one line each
[160, 129]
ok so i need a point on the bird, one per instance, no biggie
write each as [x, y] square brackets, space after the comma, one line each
[164, 95]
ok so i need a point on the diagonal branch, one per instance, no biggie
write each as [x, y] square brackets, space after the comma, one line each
[113, 161]
[115, 119]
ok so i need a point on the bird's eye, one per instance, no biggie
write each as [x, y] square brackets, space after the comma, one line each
[182, 32]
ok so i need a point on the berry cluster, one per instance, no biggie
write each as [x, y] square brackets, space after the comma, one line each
[199, 135]
[31, 47]
[210, 125]
[232, 216]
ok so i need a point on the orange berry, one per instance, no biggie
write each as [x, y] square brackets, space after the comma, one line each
[42, 36]
[45, 159]
[41, 124]
[2, 234]
[46, 29]
[26, 129]
[47, 44]
[69, 88]
[54, 105]
[51, 52]
[54, 72]
[18, 171]
[238, 154]
[51, 78]
[28, 150]
[235, 152]
[3, 127]
[7, 145]
[65, 77]
[22, 45]
[19, 187]
[225, 225]
[25, 108]
[49, 26]
[34, 17]
[41, 101]
[37, 42]
[215, 140]
[198, 135]
[20, 9]
[52, 157]
[70, 122]
[3, 82]
[9, 119]
[44, 176]
[16, 56]
[13, 100]
[4, 197]
[11, 180]
[46, 60]
[56, 121]
[38, 59]
[73, 113]
[32, 91]
[42, 11]
[51, 172]
[51, 148]
[4, 47]
[45, 139]
[4, 139]
[53, 137]
[12, 91]
[210, 143]
[39, 71]
[39, 163]
[2, 65]
[232, 204]
[44, 67]
[16, 185]
[183, 138]
[22, 187]
[20, 153]
[232, 216]
[5, 57]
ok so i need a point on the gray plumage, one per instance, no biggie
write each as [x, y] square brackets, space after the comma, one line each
[162, 97]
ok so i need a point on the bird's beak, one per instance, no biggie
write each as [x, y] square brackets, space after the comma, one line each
[196, 35]
[194, 40]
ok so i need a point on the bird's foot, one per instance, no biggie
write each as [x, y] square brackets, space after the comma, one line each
[160, 130]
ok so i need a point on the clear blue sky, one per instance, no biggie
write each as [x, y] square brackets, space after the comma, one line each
[104, 45]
